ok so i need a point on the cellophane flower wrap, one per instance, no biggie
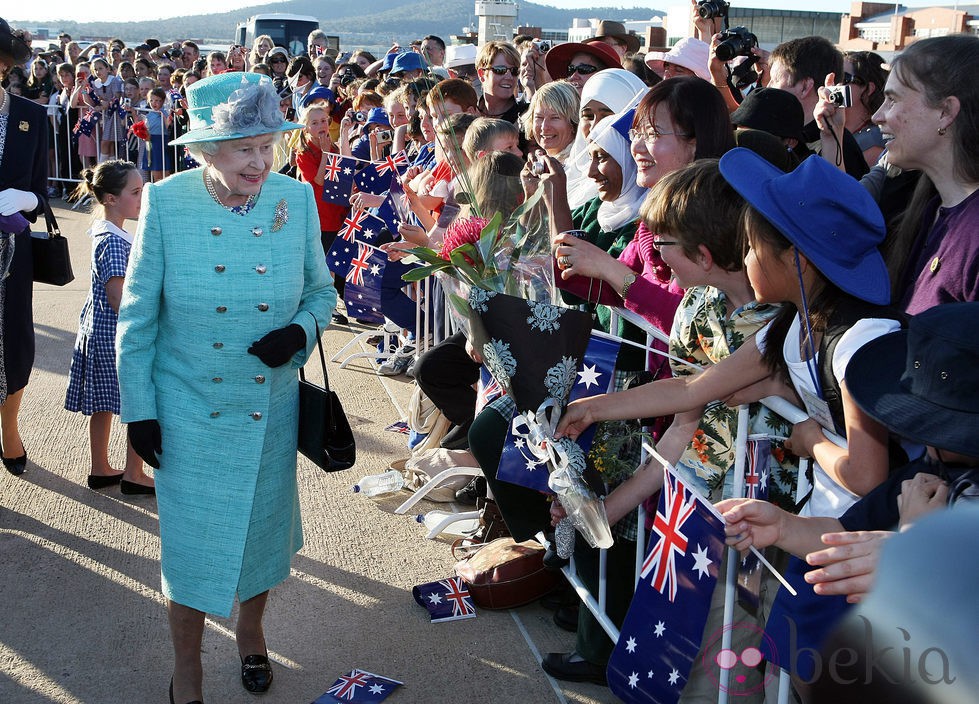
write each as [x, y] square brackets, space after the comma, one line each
[499, 277]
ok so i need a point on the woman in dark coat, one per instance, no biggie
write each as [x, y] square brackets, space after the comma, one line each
[23, 188]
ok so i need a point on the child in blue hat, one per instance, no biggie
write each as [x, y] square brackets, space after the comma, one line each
[813, 235]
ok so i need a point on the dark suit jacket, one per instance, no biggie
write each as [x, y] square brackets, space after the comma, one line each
[25, 152]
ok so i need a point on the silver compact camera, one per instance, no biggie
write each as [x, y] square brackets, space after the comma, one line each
[537, 167]
[840, 95]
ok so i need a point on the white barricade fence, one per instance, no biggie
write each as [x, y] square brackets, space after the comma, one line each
[782, 407]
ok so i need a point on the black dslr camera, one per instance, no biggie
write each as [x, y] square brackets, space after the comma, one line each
[710, 9]
[735, 42]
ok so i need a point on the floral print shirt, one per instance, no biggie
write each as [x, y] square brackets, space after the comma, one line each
[705, 332]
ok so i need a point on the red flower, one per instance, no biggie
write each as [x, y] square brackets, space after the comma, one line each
[465, 231]
[140, 130]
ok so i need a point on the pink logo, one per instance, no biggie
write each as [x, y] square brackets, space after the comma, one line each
[745, 676]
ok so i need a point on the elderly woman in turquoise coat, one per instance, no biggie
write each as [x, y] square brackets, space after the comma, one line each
[226, 293]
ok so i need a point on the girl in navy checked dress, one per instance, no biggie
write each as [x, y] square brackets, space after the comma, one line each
[93, 387]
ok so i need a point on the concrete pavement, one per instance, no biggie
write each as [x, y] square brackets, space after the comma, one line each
[83, 617]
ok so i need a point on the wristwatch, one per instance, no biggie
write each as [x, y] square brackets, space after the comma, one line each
[627, 282]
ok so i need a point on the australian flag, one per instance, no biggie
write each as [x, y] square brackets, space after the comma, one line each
[446, 600]
[377, 176]
[661, 634]
[359, 686]
[756, 475]
[488, 389]
[338, 180]
[362, 292]
[360, 226]
[596, 376]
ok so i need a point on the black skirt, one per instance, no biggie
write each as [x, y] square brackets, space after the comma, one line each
[18, 316]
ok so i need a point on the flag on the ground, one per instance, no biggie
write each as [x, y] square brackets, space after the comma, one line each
[446, 600]
[338, 180]
[359, 686]
[661, 634]
[595, 376]
[362, 292]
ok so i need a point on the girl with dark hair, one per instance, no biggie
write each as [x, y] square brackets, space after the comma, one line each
[864, 72]
[93, 387]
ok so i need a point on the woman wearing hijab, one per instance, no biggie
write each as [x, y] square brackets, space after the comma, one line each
[608, 92]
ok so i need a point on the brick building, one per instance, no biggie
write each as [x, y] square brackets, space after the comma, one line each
[886, 27]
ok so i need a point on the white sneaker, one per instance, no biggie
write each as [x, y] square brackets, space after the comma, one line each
[399, 363]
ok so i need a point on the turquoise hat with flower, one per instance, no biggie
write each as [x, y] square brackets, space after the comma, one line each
[233, 105]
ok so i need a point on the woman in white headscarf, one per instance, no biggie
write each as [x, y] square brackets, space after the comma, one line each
[608, 92]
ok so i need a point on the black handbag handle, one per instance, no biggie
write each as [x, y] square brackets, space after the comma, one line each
[319, 344]
[51, 221]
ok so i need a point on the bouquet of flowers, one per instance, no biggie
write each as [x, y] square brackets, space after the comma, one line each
[502, 274]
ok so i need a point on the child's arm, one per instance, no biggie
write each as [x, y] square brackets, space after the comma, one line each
[859, 467]
[668, 396]
[113, 292]
[648, 479]
[751, 522]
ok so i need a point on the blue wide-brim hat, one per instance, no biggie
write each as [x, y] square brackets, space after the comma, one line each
[923, 383]
[825, 213]
[408, 61]
[377, 116]
[233, 105]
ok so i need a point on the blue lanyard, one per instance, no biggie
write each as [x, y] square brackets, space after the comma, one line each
[810, 349]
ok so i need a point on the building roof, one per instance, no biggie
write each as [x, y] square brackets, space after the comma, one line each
[904, 10]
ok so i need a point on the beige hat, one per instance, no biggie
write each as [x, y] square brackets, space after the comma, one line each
[460, 55]
[616, 30]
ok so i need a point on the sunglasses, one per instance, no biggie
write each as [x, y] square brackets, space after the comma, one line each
[659, 244]
[849, 78]
[504, 70]
[583, 69]
[278, 60]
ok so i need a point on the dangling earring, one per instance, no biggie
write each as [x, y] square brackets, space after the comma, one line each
[942, 131]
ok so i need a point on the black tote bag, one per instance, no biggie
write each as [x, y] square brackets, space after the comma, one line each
[52, 263]
[325, 437]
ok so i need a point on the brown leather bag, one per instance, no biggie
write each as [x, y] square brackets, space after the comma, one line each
[503, 574]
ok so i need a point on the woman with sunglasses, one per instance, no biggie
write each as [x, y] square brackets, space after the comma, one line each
[864, 72]
[577, 63]
[497, 66]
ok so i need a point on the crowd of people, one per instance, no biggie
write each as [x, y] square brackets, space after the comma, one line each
[786, 244]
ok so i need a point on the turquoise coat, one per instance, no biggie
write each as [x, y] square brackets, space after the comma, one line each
[203, 284]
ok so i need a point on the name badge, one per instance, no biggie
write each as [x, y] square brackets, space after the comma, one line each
[818, 409]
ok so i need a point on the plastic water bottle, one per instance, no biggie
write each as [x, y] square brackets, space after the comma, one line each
[376, 484]
[462, 527]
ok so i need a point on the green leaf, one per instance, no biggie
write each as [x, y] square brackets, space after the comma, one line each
[489, 237]
[427, 255]
[423, 272]
[464, 267]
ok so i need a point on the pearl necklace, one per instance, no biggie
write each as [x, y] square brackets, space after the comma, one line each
[237, 209]
[3, 103]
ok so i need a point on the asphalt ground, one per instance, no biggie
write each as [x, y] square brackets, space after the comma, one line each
[81, 613]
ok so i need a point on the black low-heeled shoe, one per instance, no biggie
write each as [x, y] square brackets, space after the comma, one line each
[99, 481]
[256, 674]
[15, 465]
[132, 488]
[196, 701]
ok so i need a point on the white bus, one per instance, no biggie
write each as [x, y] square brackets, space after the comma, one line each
[289, 31]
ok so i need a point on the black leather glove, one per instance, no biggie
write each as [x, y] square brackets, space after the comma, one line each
[147, 440]
[278, 347]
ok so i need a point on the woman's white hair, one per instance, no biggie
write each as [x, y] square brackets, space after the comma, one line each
[199, 149]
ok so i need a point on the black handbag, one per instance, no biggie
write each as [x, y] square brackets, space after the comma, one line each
[52, 262]
[325, 437]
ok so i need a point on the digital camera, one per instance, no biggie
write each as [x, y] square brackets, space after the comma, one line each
[840, 95]
[735, 42]
[710, 9]
[360, 116]
[542, 46]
